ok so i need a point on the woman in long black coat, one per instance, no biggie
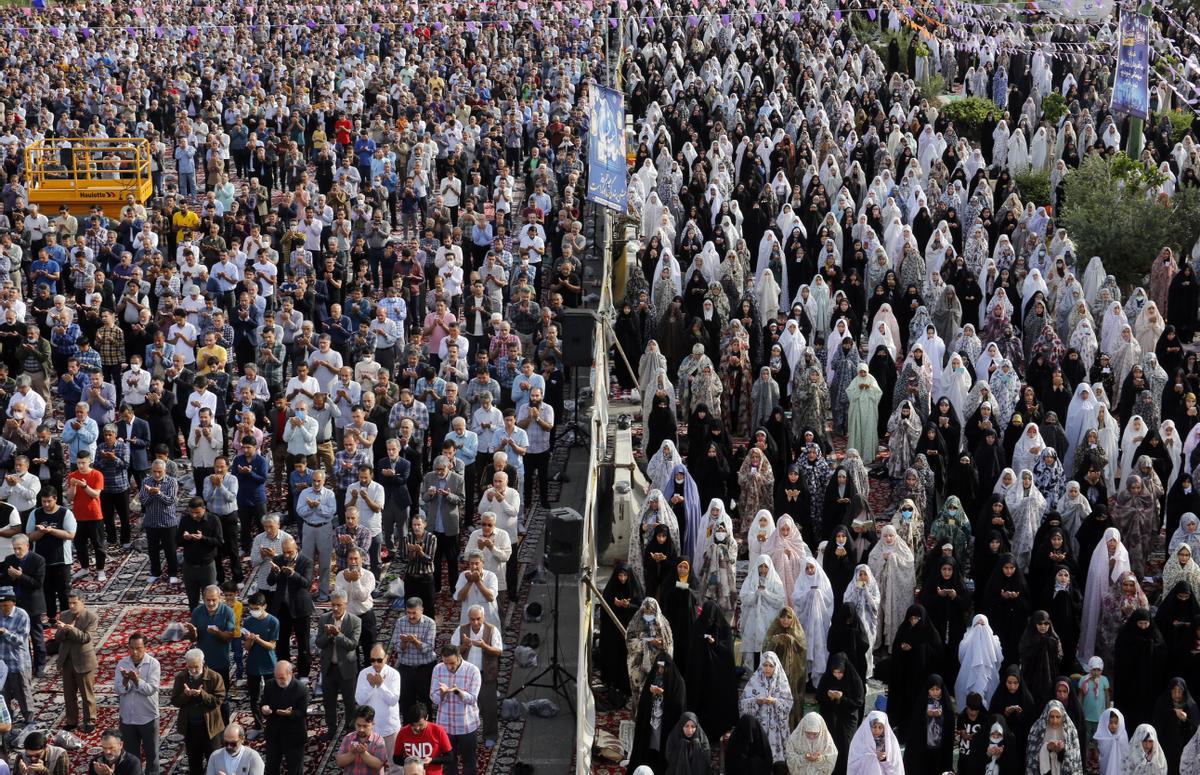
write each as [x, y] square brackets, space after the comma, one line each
[1006, 603]
[846, 635]
[947, 603]
[1141, 657]
[1013, 701]
[916, 652]
[623, 593]
[840, 698]
[710, 665]
[929, 729]
[1041, 655]
[1176, 719]
[748, 751]
[997, 739]
[666, 693]
[679, 600]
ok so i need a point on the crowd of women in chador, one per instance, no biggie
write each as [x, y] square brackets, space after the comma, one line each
[920, 474]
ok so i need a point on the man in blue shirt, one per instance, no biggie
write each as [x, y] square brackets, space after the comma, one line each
[364, 149]
[260, 632]
[317, 508]
[45, 271]
[71, 383]
[212, 627]
[251, 471]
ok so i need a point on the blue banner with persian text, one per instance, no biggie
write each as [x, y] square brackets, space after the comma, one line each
[607, 170]
[1131, 90]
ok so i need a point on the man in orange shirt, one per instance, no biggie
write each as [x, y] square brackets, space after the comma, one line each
[83, 488]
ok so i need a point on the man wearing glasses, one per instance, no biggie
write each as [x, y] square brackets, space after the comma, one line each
[379, 687]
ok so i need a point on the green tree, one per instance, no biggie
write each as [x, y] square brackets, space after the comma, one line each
[1109, 213]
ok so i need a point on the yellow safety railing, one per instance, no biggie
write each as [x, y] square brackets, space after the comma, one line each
[85, 171]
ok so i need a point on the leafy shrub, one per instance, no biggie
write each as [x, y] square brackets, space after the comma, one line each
[1109, 213]
[970, 113]
[1181, 122]
[933, 89]
[1053, 107]
[1034, 187]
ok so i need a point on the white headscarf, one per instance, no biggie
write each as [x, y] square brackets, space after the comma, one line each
[862, 757]
[1098, 582]
[980, 654]
[761, 599]
[1136, 761]
[1113, 745]
[812, 597]
[799, 744]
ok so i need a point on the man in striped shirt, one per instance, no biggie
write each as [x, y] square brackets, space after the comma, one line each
[413, 639]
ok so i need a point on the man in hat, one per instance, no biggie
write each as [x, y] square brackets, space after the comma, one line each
[14, 652]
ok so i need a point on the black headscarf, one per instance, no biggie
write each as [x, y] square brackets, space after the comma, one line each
[650, 743]
[846, 634]
[1025, 710]
[748, 751]
[922, 729]
[688, 755]
[1011, 761]
[1141, 661]
[1175, 732]
[1041, 655]
[614, 670]
[842, 716]
[711, 665]
[916, 652]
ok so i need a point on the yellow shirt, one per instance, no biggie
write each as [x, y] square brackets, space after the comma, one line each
[237, 617]
[182, 221]
[204, 353]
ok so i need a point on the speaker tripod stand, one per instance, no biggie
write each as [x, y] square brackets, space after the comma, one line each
[581, 436]
[554, 677]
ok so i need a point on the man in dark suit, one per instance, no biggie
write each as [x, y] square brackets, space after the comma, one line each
[26, 572]
[285, 708]
[442, 495]
[136, 433]
[46, 458]
[292, 604]
[338, 633]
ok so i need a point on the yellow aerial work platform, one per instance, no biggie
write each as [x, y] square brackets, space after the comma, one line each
[80, 172]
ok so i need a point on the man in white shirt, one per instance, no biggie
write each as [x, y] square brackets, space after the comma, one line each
[207, 442]
[368, 497]
[301, 388]
[201, 398]
[182, 336]
[495, 546]
[236, 756]
[325, 363]
[359, 585]
[20, 490]
[345, 391]
[379, 686]
[135, 382]
[311, 228]
[35, 405]
[477, 585]
[250, 378]
[480, 643]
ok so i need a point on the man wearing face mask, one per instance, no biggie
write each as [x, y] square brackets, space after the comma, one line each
[113, 759]
[198, 692]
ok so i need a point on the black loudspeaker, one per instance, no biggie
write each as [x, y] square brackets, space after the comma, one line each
[564, 541]
[577, 330]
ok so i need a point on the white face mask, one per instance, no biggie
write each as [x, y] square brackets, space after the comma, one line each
[258, 613]
[649, 618]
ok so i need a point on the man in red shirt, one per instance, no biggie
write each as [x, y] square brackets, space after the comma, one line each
[423, 740]
[341, 132]
[83, 488]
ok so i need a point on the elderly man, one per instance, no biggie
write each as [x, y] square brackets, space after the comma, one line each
[26, 571]
[368, 497]
[76, 639]
[19, 489]
[317, 507]
[160, 519]
[495, 546]
[477, 586]
[198, 692]
[266, 547]
[359, 585]
[379, 687]
[504, 501]
[31, 400]
[292, 603]
[481, 644]
[113, 759]
[212, 627]
[441, 500]
[235, 757]
[80, 434]
[101, 397]
[137, 681]
[338, 633]
[220, 496]
[285, 707]
[14, 653]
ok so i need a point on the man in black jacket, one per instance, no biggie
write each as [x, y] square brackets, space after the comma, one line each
[26, 572]
[46, 459]
[113, 759]
[200, 536]
[292, 604]
[285, 708]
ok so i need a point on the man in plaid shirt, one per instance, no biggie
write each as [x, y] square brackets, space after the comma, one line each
[454, 690]
[110, 343]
